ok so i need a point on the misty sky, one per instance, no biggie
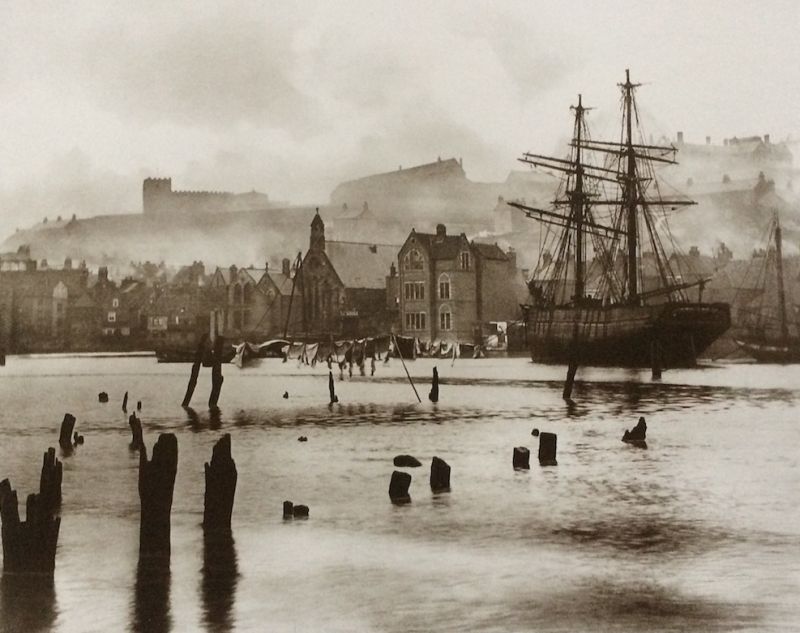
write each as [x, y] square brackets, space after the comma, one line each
[290, 98]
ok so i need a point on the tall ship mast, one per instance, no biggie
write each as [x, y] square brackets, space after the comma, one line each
[767, 335]
[605, 291]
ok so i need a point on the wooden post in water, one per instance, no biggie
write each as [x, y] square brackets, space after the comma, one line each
[137, 441]
[216, 372]
[571, 371]
[198, 361]
[655, 359]
[65, 435]
[433, 394]
[332, 389]
[440, 475]
[30, 545]
[221, 478]
[156, 485]
[125, 403]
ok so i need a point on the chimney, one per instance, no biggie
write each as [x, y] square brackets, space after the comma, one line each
[102, 273]
[680, 137]
[266, 266]
[285, 267]
[233, 271]
[766, 139]
[392, 270]
[68, 263]
[441, 231]
[708, 140]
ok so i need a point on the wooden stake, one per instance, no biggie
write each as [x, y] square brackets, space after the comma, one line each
[198, 361]
[400, 354]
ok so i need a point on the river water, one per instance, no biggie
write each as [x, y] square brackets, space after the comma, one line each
[699, 532]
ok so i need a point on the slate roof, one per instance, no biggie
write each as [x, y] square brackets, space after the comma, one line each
[282, 282]
[361, 265]
[490, 251]
[446, 247]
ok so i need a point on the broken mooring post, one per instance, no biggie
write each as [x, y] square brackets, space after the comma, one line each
[30, 545]
[220, 487]
[547, 449]
[571, 371]
[216, 373]
[440, 475]
[331, 389]
[433, 395]
[156, 485]
[198, 361]
[65, 435]
[655, 359]
[398, 487]
[137, 441]
[521, 458]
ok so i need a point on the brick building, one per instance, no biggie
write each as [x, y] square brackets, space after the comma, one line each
[451, 289]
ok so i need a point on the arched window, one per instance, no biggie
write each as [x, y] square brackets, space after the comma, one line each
[445, 318]
[464, 260]
[444, 286]
[413, 260]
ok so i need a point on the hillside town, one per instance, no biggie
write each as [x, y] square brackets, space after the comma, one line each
[421, 252]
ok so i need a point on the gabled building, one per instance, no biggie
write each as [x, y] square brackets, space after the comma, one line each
[256, 300]
[343, 286]
[452, 289]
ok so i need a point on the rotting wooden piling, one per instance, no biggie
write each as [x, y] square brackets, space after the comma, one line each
[332, 389]
[65, 434]
[398, 487]
[440, 475]
[156, 486]
[198, 361]
[547, 449]
[221, 478]
[433, 395]
[125, 403]
[137, 441]
[216, 372]
[521, 458]
[30, 545]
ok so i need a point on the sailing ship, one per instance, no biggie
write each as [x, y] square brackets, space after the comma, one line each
[765, 328]
[602, 299]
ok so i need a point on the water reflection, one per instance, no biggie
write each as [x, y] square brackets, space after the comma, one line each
[27, 602]
[218, 585]
[151, 602]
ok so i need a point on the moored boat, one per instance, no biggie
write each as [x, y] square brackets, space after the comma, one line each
[593, 303]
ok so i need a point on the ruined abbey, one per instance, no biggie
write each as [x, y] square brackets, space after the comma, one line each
[158, 198]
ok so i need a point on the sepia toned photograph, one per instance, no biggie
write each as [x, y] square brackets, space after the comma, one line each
[400, 316]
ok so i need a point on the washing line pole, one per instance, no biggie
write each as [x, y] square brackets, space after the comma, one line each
[400, 354]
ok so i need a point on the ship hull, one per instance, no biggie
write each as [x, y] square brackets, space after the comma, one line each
[765, 351]
[667, 335]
